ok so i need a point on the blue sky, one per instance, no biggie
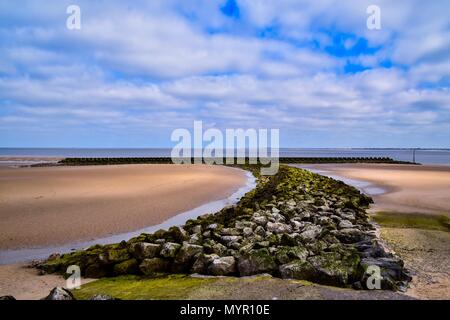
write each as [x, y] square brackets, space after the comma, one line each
[138, 70]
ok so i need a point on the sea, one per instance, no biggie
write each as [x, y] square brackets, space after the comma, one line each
[424, 156]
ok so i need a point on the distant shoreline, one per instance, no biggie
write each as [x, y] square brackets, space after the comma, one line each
[423, 155]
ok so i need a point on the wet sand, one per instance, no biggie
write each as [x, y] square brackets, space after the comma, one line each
[60, 205]
[408, 188]
[25, 283]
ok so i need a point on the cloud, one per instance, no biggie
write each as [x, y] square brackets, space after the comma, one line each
[302, 66]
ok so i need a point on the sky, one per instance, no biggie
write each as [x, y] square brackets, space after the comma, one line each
[137, 70]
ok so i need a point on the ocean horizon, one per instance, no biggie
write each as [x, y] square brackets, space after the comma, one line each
[422, 155]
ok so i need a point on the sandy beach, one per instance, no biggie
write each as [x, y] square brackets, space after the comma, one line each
[408, 188]
[59, 205]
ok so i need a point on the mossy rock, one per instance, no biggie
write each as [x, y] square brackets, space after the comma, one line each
[117, 255]
[256, 262]
[130, 266]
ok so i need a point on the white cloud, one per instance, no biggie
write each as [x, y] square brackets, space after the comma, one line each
[165, 63]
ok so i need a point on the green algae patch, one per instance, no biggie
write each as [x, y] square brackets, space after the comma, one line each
[130, 287]
[412, 220]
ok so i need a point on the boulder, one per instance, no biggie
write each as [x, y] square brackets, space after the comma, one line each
[187, 253]
[213, 227]
[299, 269]
[332, 269]
[170, 250]
[178, 234]
[95, 271]
[145, 250]
[276, 217]
[259, 230]
[197, 229]
[247, 232]
[229, 239]
[310, 233]
[154, 265]
[259, 220]
[196, 238]
[219, 249]
[352, 235]
[296, 225]
[230, 232]
[286, 239]
[392, 272]
[59, 293]
[345, 224]
[202, 263]
[241, 224]
[285, 255]
[117, 255]
[278, 227]
[222, 266]
[126, 267]
[256, 262]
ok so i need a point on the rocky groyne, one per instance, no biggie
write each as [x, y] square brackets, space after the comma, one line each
[295, 224]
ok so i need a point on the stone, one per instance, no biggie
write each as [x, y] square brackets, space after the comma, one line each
[300, 269]
[348, 216]
[59, 293]
[230, 232]
[154, 265]
[160, 234]
[259, 230]
[170, 249]
[219, 249]
[259, 220]
[393, 274]
[95, 271]
[197, 229]
[310, 233]
[291, 203]
[195, 238]
[187, 253]
[241, 224]
[247, 232]
[276, 217]
[117, 255]
[222, 266]
[277, 227]
[296, 225]
[145, 250]
[8, 297]
[345, 224]
[229, 239]
[256, 262]
[178, 234]
[351, 235]
[286, 239]
[287, 254]
[202, 263]
[126, 267]
[332, 269]
[212, 226]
